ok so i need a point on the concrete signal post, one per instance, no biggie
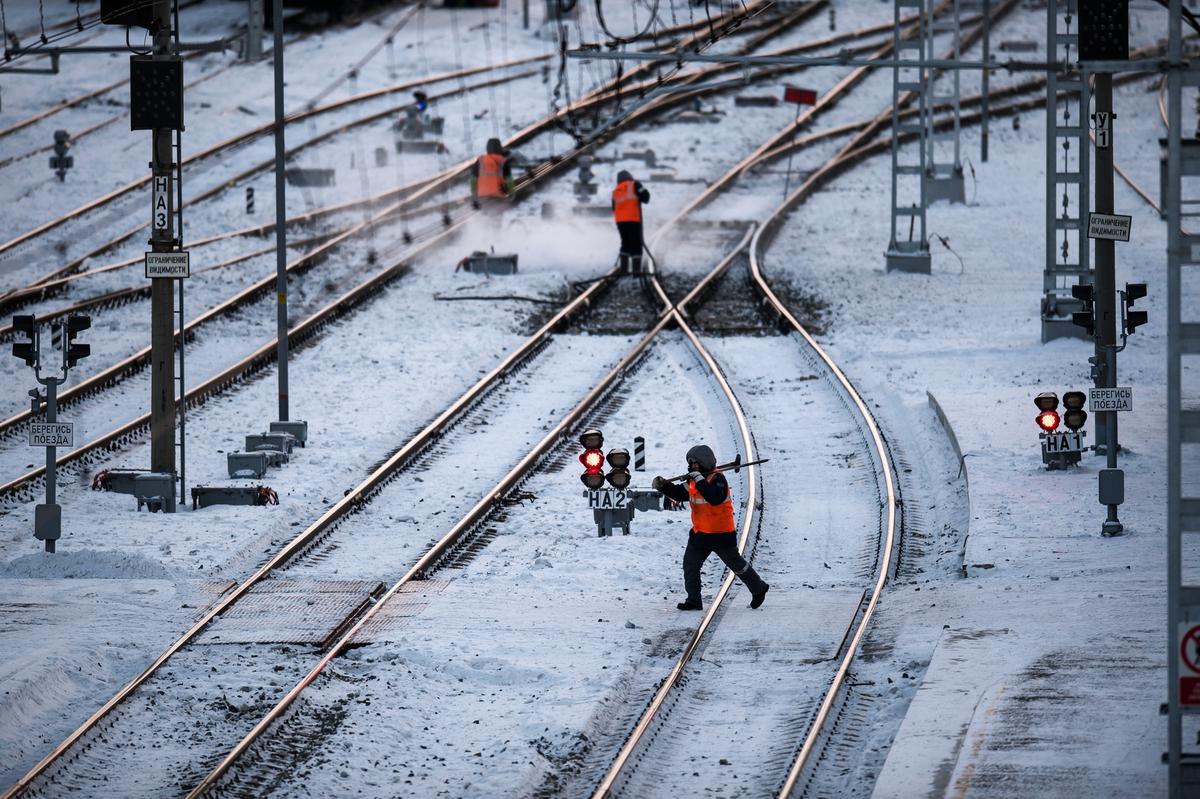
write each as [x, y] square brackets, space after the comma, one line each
[156, 104]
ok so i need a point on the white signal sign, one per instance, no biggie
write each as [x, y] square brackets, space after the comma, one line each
[1103, 129]
[161, 205]
[607, 498]
[1110, 399]
[52, 434]
[1063, 441]
[1114, 227]
[168, 264]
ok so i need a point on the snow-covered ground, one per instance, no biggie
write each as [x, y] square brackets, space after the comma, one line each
[1038, 673]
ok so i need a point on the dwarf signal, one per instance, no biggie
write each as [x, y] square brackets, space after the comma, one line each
[618, 475]
[1061, 448]
[592, 459]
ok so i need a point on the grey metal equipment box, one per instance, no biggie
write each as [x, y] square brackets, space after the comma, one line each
[296, 429]
[119, 480]
[279, 442]
[641, 499]
[482, 263]
[247, 464]
[155, 490]
[205, 496]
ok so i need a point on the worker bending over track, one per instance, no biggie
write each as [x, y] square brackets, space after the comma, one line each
[713, 528]
[627, 200]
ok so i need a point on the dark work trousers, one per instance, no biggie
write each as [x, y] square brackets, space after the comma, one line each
[631, 244]
[700, 545]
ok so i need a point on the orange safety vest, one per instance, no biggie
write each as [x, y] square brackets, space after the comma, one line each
[491, 176]
[626, 206]
[708, 518]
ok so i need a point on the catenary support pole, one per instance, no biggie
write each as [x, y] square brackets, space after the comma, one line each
[252, 51]
[281, 316]
[1106, 280]
[162, 290]
[983, 101]
[51, 452]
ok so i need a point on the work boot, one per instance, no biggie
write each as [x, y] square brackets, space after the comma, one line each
[690, 605]
[757, 599]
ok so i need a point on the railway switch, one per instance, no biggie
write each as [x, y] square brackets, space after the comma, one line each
[60, 162]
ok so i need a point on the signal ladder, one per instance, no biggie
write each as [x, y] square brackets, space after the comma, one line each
[1067, 102]
[180, 320]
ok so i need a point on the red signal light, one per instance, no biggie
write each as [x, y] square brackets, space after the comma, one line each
[1048, 421]
[593, 468]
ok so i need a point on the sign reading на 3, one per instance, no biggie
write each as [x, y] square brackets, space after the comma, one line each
[52, 434]
[1110, 399]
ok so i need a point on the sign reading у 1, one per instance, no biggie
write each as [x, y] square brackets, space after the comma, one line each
[1110, 399]
[168, 264]
[52, 434]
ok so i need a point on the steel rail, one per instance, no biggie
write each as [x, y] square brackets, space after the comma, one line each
[848, 152]
[138, 360]
[769, 225]
[297, 544]
[264, 129]
[14, 297]
[485, 506]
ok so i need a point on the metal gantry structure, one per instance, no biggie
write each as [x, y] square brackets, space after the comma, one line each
[1183, 419]
[1068, 165]
[908, 250]
[943, 175]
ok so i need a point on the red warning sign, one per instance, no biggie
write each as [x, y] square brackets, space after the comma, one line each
[794, 94]
[1189, 665]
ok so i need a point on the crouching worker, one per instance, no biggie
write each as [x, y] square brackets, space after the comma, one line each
[713, 528]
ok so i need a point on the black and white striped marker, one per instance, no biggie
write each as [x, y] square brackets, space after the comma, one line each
[639, 454]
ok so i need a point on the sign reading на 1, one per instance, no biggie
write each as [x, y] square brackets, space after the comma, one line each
[52, 434]
[1114, 227]
[168, 264]
[1110, 399]
[1055, 443]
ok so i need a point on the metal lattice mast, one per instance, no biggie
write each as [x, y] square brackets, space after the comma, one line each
[944, 177]
[906, 251]
[1183, 424]
[1068, 151]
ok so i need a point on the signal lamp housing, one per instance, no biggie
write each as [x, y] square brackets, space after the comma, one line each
[1047, 420]
[591, 439]
[1074, 400]
[619, 478]
[618, 458]
[593, 468]
[1046, 401]
[1075, 418]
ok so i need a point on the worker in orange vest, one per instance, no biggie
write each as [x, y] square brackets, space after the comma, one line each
[713, 528]
[627, 200]
[491, 175]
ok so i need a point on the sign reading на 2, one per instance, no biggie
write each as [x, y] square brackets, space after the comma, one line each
[1189, 664]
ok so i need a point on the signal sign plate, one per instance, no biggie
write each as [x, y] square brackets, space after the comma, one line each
[608, 498]
[1054, 443]
[1114, 227]
[168, 264]
[52, 434]
[1110, 399]
[1189, 664]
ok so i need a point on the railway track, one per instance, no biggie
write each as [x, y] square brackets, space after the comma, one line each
[22, 485]
[350, 501]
